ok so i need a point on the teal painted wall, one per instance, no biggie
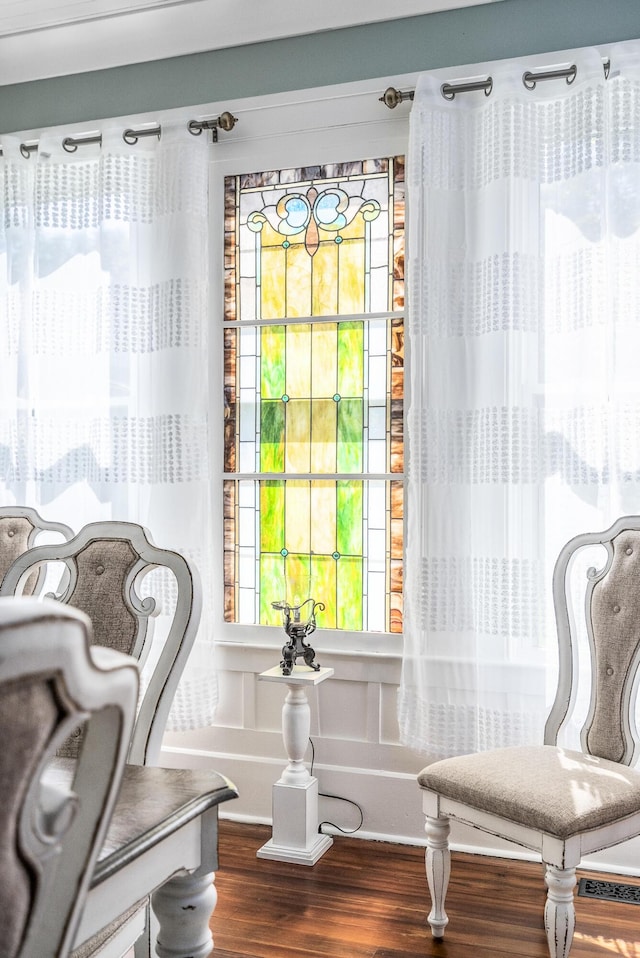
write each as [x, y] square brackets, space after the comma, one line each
[474, 34]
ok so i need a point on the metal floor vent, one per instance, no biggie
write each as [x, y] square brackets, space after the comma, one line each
[609, 890]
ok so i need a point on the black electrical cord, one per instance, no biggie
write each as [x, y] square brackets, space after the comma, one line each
[338, 798]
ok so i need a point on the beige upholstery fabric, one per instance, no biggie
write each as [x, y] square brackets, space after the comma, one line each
[102, 567]
[555, 790]
[14, 540]
[615, 617]
[93, 947]
[114, 574]
[28, 708]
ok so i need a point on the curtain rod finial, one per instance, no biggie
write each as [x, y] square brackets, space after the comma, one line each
[391, 97]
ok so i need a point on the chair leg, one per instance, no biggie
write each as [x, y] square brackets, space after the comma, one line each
[438, 865]
[559, 911]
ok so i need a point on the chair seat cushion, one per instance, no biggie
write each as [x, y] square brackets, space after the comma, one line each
[555, 790]
[93, 947]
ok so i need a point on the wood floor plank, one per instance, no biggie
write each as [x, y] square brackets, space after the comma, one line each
[368, 899]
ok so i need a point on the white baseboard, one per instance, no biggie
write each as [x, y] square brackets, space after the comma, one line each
[390, 803]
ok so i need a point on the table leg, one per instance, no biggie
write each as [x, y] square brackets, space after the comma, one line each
[183, 907]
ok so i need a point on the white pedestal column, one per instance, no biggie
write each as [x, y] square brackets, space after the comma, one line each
[295, 835]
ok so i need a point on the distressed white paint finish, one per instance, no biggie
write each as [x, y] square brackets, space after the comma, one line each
[295, 835]
[559, 909]
[353, 726]
[438, 863]
[380, 777]
[184, 906]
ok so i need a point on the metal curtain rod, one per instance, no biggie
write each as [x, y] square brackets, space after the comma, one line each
[392, 97]
[226, 121]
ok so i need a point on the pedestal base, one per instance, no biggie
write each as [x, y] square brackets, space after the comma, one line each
[295, 835]
[296, 856]
[295, 825]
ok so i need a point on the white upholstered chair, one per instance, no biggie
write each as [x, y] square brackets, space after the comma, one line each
[108, 570]
[50, 836]
[21, 528]
[564, 803]
[114, 573]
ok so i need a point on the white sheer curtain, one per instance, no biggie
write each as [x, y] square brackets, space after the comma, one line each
[524, 403]
[104, 398]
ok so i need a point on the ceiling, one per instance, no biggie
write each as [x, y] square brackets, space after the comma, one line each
[45, 38]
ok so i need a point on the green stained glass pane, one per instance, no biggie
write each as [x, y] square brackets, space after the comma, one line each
[349, 592]
[323, 570]
[272, 436]
[349, 515]
[350, 359]
[272, 365]
[272, 515]
[271, 588]
[350, 435]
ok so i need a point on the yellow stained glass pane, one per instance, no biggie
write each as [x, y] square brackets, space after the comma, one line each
[354, 230]
[269, 236]
[272, 295]
[324, 421]
[351, 277]
[298, 425]
[298, 281]
[324, 359]
[298, 517]
[323, 510]
[298, 578]
[298, 361]
[325, 290]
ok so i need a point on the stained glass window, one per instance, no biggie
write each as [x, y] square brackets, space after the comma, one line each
[314, 375]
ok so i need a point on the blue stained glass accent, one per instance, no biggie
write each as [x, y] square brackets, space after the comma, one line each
[285, 398]
[297, 212]
[335, 555]
[338, 239]
[337, 397]
[327, 209]
[284, 552]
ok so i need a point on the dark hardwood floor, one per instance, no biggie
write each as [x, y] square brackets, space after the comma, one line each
[368, 899]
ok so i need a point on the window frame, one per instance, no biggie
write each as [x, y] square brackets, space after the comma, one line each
[327, 125]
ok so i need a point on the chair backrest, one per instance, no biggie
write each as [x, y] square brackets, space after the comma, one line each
[50, 679]
[611, 611]
[20, 528]
[107, 565]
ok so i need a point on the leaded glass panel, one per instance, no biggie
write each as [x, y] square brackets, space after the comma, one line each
[314, 367]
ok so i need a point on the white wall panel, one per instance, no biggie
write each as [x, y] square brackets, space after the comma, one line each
[231, 702]
[343, 710]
